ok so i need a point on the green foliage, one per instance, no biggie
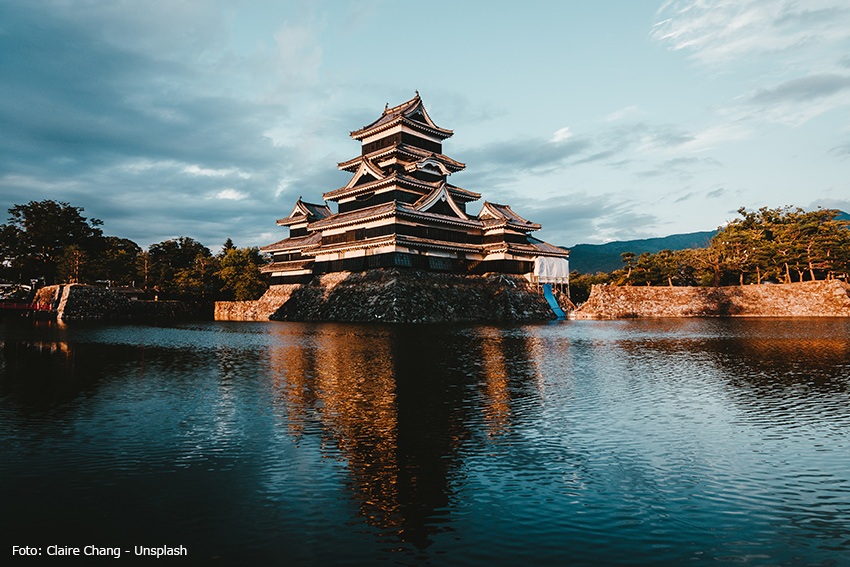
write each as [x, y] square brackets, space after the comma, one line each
[197, 280]
[73, 265]
[239, 273]
[783, 245]
[116, 261]
[780, 245]
[54, 241]
[184, 268]
[33, 243]
[580, 284]
[180, 267]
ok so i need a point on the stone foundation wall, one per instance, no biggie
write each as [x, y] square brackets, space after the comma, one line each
[396, 296]
[805, 299]
[258, 310]
[76, 302]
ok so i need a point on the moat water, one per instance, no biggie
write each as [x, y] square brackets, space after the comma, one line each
[646, 442]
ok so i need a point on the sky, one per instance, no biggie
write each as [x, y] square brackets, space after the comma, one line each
[600, 120]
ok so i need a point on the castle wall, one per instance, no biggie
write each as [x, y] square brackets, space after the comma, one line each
[77, 302]
[805, 299]
[257, 310]
[397, 296]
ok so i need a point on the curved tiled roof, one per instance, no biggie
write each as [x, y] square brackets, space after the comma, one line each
[403, 113]
[294, 243]
[305, 211]
[503, 214]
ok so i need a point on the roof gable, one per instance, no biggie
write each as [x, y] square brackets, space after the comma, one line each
[366, 173]
[417, 113]
[411, 112]
[305, 212]
[440, 194]
[505, 214]
[430, 165]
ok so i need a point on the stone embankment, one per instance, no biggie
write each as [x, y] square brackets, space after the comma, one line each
[805, 299]
[395, 296]
[76, 302]
[258, 310]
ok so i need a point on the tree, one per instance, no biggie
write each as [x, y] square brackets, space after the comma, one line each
[143, 269]
[74, 264]
[581, 284]
[240, 274]
[783, 240]
[179, 267]
[116, 260]
[199, 279]
[34, 240]
[629, 260]
[782, 244]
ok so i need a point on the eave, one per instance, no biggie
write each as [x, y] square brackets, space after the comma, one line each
[359, 216]
[296, 243]
[393, 179]
[399, 114]
[291, 266]
[405, 211]
[402, 148]
[355, 245]
[441, 133]
[418, 242]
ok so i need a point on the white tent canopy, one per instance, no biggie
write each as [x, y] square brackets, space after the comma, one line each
[551, 270]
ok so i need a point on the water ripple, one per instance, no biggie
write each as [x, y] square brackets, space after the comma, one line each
[626, 442]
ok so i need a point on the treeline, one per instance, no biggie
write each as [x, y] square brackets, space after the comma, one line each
[52, 242]
[779, 245]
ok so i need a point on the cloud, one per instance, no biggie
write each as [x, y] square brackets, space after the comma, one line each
[826, 203]
[784, 50]
[298, 57]
[666, 137]
[584, 217]
[727, 30]
[682, 168]
[72, 96]
[208, 172]
[622, 113]
[793, 102]
[803, 89]
[561, 135]
[621, 145]
[231, 195]
[505, 160]
[842, 150]
[133, 116]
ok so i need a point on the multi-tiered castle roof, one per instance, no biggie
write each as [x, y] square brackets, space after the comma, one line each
[398, 209]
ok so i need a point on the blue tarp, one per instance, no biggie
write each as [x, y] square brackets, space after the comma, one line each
[553, 303]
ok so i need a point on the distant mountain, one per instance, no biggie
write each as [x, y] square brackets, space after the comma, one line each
[592, 258]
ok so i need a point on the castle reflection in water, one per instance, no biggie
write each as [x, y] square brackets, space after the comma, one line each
[398, 414]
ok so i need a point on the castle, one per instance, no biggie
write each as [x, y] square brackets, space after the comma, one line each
[399, 210]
